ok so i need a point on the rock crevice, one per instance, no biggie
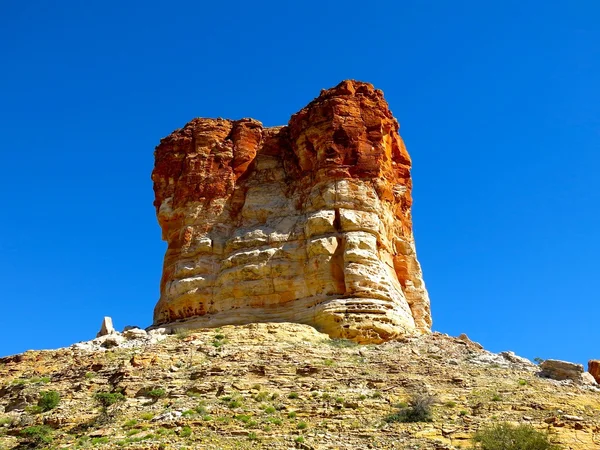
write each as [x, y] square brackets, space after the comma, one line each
[306, 223]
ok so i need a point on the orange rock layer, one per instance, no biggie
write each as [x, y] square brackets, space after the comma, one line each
[307, 223]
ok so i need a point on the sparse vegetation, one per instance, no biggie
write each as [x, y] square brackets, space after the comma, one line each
[130, 423]
[48, 400]
[419, 409]
[37, 435]
[261, 396]
[106, 399]
[232, 401]
[156, 394]
[504, 436]
[32, 380]
[256, 397]
[5, 421]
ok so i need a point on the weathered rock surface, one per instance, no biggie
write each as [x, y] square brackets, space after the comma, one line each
[307, 223]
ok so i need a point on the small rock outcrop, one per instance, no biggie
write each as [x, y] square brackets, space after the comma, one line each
[307, 223]
[564, 370]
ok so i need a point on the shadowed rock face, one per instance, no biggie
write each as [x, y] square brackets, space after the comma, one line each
[306, 223]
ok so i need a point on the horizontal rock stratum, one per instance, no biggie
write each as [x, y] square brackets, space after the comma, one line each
[307, 223]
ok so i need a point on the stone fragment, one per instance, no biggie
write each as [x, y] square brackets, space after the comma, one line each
[308, 223]
[135, 333]
[107, 327]
[594, 369]
[588, 378]
[561, 370]
[572, 418]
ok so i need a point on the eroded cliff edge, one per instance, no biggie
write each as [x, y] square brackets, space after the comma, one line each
[307, 223]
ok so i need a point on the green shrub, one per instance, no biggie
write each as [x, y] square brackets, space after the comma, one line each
[293, 395]
[261, 396]
[504, 436]
[37, 435]
[186, 431]
[106, 399]
[418, 410]
[130, 423]
[156, 393]
[232, 401]
[48, 400]
[301, 425]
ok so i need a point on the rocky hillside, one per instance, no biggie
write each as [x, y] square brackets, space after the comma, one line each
[279, 386]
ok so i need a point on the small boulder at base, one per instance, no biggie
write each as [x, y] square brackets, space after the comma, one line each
[562, 370]
[110, 340]
[594, 369]
[107, 327]
[135, 333]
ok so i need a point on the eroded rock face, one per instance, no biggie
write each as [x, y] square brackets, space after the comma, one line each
[307, 223]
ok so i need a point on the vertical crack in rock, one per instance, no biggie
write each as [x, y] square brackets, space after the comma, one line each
[337, 259]
[307, 223]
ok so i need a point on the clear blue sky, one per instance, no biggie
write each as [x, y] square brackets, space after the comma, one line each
[499, 105]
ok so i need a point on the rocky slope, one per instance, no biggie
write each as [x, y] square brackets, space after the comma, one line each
[281, 386]
[307, 223]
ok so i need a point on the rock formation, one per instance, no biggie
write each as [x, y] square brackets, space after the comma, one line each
[307, 223]
[594, 369]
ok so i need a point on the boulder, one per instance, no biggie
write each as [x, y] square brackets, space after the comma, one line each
[109, 340]
[562, 370]
[135, 333]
